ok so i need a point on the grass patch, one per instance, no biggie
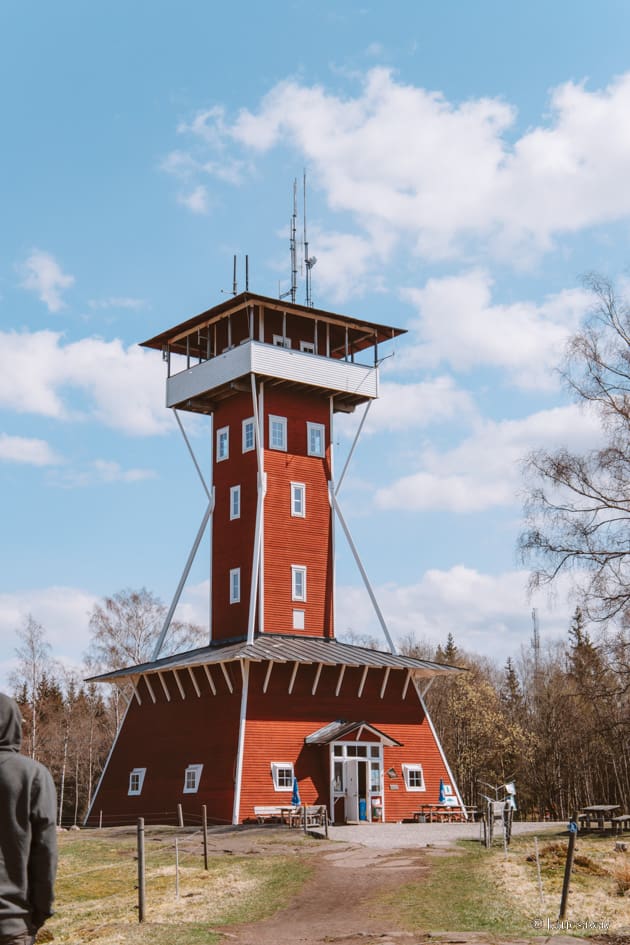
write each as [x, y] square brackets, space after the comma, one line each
[97, 895]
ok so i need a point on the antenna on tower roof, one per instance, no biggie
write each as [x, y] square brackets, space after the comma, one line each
[309, 261]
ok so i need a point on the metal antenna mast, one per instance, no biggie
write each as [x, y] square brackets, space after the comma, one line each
[309, 261]
[234, 282]
[294, 244]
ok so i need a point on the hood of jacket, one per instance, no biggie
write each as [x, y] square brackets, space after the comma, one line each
[10, 724]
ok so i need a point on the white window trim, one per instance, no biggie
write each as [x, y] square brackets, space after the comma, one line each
[295, 570]
[283, 421]
[220, 432]
[299, 619]
[235, 598]
[245, 448]
[140, 772]
[311, 428]
[276, 767]
[196, 770]
[295, 488]
[281, 341]
[307, 347]
[235, 502]
[406, 769]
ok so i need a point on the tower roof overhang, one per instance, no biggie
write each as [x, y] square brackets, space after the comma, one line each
[280, 648]
[180, 338]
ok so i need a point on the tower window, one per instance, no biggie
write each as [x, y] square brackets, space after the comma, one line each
[277, 433]
[298, 500]
[308, 347]
[235, 502]
[192, 776]
[282, 774]
[281, 341]
[223, 443]
[315, 438]
[235, 585]
[249, 438]
[298, 582]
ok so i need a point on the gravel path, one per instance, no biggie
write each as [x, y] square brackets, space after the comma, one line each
[408, 836]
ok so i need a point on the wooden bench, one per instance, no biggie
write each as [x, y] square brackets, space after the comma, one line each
[273, 813]
[315, 815]
[621, 823]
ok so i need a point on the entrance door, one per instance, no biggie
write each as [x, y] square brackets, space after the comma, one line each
[352, 789]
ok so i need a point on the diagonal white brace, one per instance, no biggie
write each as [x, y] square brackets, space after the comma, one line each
[352, 448]
[190, 450]
[362, 570]
[184, 577]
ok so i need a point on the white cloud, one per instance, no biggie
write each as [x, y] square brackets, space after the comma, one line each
[124, 387]
[407, 161]
[196, 200]
[43, 275]
[103, 471]
[459, 325]
[484, 470]
[33, 452]
[117, 302]
[487, 614]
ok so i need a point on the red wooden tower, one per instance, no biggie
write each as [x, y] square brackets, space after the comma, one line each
[273, 696]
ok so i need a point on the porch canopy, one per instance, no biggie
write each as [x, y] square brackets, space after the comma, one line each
[342, 731]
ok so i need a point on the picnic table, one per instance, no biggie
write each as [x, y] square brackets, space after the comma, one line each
[598, 815]
[439, 813]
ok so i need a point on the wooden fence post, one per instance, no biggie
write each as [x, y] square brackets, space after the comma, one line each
[568, 866]
[204, 818]
[180, 815]
[141, 871]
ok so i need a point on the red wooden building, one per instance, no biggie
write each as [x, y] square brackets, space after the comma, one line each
[274, 696]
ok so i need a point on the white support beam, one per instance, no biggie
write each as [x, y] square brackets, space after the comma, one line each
[362, 683]
[236, 810]
[150, 688]
[316, 682]
[427, 687]
[340, 680]
[253, 590]
[352, 448]
[190, 450]
[227, 677]
[406, 686]
[362, 570]
[386, 677]
[179, 684]
[293, 675]
[213, 688]
[267, 676]
[194, 681]
[164, 686]
[135, 681]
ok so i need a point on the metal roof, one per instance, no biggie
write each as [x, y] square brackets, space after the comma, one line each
[282, 648]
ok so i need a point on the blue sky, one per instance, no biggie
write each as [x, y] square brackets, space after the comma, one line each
[467, 163]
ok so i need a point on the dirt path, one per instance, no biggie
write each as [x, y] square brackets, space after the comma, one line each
[336, 905]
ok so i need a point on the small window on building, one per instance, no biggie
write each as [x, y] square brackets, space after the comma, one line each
[136, 780]
[298, 500]
[298, 582]
[281, 341]
[235, 502]
[298, 619]
[282, 774]
[308, 347]
[315, 436]
[277, 433]
[235, 585]
[223, 443]
[249, 438]
[414, 778]
[192, 777]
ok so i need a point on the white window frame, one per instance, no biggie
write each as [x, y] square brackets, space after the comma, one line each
[299, 619]
[235, 586]
[138, 773]
[307, 347]
[191, 784]
[281, 341]
[298, 571]
[282, 421]
[221, 433]
[311, 429]
[408, 770]
[298, 489]
[277, 769]
[249, 422]
[235, 502]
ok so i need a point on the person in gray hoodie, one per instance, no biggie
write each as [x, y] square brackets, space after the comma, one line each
[28, 835]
